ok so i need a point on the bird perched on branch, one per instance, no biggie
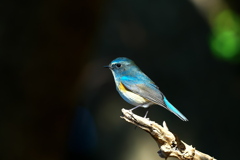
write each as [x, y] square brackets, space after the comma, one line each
[137, 88]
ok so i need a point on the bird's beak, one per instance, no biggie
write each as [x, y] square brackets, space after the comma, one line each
[106, 66]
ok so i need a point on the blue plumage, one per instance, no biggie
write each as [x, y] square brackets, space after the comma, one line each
[137, 88]
[174, 110]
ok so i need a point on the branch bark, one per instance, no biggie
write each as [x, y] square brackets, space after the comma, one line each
[170, 145]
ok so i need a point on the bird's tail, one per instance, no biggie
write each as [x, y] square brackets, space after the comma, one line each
[174, 110]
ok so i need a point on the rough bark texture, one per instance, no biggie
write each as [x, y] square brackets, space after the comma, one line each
[170, 145]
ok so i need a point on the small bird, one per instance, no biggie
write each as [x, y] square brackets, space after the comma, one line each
[137, 88]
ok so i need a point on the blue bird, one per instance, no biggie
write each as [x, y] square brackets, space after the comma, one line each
[137, 88]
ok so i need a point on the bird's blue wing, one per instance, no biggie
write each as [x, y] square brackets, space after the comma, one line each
[150, 91]
[147, 90]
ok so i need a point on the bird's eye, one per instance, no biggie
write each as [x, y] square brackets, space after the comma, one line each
[118, 65]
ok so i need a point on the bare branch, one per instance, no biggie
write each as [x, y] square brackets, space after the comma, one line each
[170, 145]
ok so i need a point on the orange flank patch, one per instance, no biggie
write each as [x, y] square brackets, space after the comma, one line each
[122, 87]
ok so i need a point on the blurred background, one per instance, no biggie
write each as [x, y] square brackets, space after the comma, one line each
[57, 102]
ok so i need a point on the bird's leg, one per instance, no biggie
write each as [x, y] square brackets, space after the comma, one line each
[135, 108]
[146, 114]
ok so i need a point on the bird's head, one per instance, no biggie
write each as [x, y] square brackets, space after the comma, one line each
[121, 64]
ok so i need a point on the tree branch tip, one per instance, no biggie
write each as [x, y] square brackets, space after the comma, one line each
[170, 144]
[165, 125]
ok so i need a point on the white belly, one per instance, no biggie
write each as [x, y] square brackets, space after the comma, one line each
[133, 98]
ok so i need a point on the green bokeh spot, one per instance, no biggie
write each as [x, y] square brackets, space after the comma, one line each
[225, 39]
[225, 44]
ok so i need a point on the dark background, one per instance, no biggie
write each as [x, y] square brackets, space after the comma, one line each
[58, 102]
